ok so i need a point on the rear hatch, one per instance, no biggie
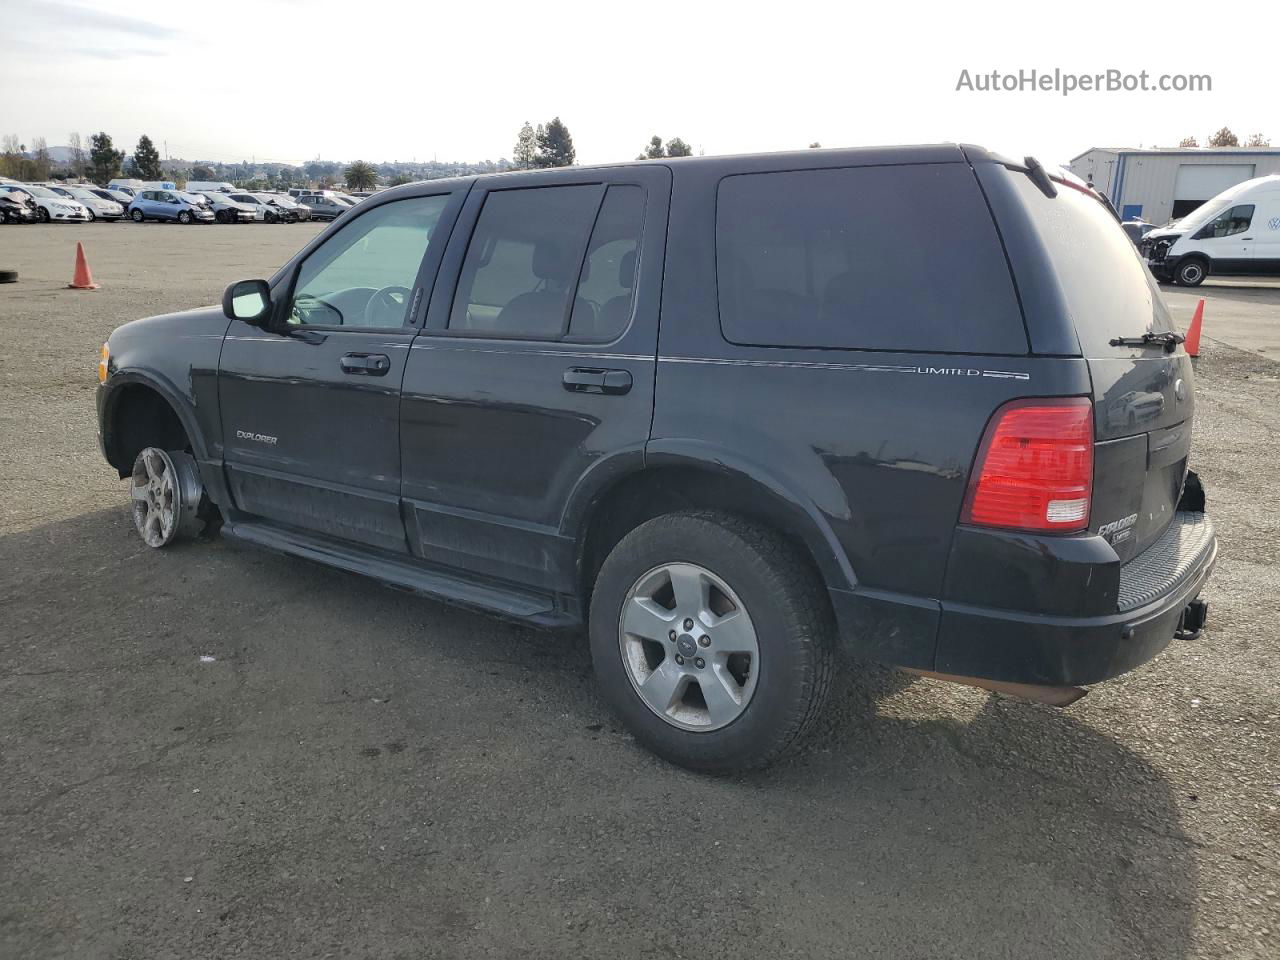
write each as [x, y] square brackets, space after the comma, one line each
[1143, 395]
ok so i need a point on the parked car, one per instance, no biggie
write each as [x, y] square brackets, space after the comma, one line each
[129, 185]
[291, 210]
[323, 207]
[270, 208]
[1137, 229]
[1237, 233]
[52, 207]
[227, 209]
[729, 413]
[168, 205]
[99, 209]
[119, 196]
[17, 207]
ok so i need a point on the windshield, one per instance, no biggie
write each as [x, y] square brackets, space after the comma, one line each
[82, 194]
[41, 192]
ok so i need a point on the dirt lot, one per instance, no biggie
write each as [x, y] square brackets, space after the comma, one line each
[215, 752]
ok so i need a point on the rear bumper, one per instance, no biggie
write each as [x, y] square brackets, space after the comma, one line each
[1018, 646]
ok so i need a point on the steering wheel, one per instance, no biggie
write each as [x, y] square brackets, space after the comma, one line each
[386, 307]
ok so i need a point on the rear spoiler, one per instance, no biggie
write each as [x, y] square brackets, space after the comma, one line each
[1036, 172]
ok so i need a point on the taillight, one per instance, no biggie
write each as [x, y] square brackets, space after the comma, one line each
[1034, 470]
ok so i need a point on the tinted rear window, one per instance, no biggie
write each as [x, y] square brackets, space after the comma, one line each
[877, 258]
[1108, 290]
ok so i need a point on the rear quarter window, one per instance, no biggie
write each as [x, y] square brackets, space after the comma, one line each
[902, 258]
[1106, 287]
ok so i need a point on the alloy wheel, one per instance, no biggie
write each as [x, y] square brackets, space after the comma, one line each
[156, 498]
[689, 647]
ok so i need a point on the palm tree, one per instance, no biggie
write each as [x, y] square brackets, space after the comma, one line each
[361, 176]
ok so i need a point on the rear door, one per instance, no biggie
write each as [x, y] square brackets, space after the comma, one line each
[536, 370]
[310, 409]
[1144, 396]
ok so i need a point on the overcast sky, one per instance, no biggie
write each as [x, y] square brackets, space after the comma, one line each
[291, 80]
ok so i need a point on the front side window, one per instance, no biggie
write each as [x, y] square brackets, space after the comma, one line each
[1235, 220]
[364, 275]
[523, 261]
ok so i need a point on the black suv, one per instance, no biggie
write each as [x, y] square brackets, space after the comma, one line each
[728, 412]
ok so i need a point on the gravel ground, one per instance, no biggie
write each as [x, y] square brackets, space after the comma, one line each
[216, 752]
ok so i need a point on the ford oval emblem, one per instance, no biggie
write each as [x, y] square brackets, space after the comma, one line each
[1180, 390]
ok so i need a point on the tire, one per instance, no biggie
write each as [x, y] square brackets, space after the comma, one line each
[136, 216]
[222, 216]
[92, 216]
[8, 276]
[184, 217]
[44, 215]
[756, 588]
[270, 217]
[167, 498]
[1191, 272]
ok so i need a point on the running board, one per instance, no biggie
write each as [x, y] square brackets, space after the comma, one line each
[526, 605]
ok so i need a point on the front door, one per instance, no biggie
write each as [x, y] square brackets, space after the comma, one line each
[535, 371]
[310, 407]
[1228, 239]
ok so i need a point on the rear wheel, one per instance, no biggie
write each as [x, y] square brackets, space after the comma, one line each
[135, 216]
[712, 639]
[1191, 273]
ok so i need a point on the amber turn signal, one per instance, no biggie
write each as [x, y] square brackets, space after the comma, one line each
[102, 364]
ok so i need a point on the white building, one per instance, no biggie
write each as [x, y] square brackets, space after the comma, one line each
[1159, 185]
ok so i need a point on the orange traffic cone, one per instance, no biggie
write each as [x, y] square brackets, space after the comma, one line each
[1193, 335]
[83, 279]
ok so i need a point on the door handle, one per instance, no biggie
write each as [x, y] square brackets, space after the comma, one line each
[597, 380]
[366, 364]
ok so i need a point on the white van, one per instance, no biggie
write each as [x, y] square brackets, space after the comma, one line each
[1237, 233]
[209, 186]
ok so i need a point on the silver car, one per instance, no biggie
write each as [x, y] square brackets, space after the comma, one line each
[91, 200]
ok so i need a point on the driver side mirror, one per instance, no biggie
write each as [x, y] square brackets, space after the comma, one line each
[248, 300]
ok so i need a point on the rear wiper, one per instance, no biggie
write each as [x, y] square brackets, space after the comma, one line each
[1168, 340]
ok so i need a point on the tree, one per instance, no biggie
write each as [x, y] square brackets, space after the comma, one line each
[40, 151]
[655, 150]
[555, 145]
[400, 179]
[1224, 138]
[146, 160]
[104, 158]
[78, 155]
[1188, 142]
[526, 150]
[202, 172]
[1258, 140]
[361, 176]
[10, 156]
[678, 148]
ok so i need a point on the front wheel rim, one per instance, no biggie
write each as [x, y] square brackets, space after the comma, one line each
[154, 492]
[689, 647]
[1191, 273]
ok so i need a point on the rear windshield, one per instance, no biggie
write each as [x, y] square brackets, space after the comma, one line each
[1109, 291]
[874, 258]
